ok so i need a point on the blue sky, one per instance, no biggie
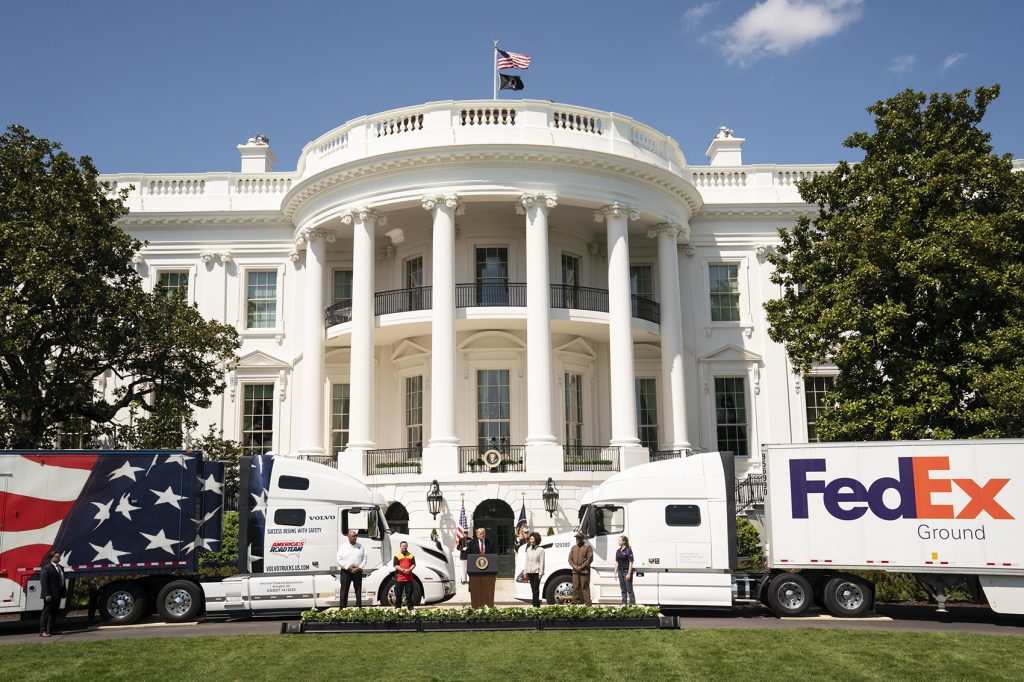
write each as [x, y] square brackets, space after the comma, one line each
[173, 87]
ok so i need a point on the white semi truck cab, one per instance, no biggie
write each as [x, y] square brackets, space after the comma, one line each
[947, 512]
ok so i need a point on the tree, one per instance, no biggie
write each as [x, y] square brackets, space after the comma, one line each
[909, 277]
[73, 312]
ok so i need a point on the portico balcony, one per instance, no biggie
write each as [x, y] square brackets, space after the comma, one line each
[501, 295]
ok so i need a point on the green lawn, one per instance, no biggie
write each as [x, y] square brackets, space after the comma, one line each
[529, 656]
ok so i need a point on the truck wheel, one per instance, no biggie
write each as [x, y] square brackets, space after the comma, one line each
[847, 596]
[559, 589]
[789, 594]
[179, 601]
[122, 603]
[389, 593]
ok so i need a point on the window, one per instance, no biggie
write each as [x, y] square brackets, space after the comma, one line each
[641, 281]
[816, 388]
[293, 483]
[492, 276]
[342, 291]
[492, 405]
[172, 281]
[647, 412]
[261, 299]
[610, 520]
[74, 434]
[257, 419]
[290, 517]
[339, 416]
[682, 515]
[573, 409]
[731, 415]
[570, 282]
[414, 412]
[416, 298]
[725, 292]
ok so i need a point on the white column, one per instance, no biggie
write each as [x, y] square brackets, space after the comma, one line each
[442, 330]
[620, 331]
[361, 404]
[310, 436]
[672, 378]
[539, 366]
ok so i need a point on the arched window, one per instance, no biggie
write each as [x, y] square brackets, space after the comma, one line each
[398, 517]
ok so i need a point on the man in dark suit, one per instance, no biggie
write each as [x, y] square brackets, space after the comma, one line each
[51, 584]
[480, 545]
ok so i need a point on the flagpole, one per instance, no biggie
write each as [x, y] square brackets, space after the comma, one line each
[494, 78]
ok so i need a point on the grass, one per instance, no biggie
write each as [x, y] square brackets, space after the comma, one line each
[626, 655]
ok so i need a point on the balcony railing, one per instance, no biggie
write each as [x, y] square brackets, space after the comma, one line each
[646, 309]
[486, 294]
[495, 294]
[326, 460]
[662, 455]
[579, 298]
[394, 461]
[590, 458]
[750, 492]
[492, 459]
[402, 300]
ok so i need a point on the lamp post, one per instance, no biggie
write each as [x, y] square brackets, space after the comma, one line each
[434, 499]
[550, 497]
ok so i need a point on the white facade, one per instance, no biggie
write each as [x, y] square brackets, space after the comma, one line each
[545, 256]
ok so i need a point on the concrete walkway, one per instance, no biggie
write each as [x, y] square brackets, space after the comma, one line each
[504, 589]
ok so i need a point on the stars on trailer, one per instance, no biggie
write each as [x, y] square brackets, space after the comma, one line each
[200, 543]
[178, 459]
[260, 503]
[209, 515]
[125, 507]
[126, 470]
[160, 541]
[212, 485]
[107, 553]
[167, 497]
[102, 513]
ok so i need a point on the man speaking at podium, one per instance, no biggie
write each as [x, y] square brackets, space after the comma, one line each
[481, 545]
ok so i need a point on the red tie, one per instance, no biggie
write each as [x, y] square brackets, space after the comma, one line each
[481, 546]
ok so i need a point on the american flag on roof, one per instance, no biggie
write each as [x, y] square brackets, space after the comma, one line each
[462, 530]
[104, 512]
[513, 60]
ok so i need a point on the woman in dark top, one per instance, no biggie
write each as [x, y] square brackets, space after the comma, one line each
[624, 569]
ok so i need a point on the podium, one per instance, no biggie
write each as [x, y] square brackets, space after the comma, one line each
[483, 571]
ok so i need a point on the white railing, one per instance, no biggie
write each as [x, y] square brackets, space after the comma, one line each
[398, 124]
[734, 178]
[487, 116]
[332, 145]
[176, 187]
[789, 178]
[262, 184]
[571, 120]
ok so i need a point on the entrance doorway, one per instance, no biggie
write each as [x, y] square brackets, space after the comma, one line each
[497, 518]
[398, 518]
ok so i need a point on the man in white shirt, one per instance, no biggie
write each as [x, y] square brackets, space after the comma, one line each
[351, 562]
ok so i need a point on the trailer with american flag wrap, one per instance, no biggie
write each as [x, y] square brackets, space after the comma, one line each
[142, 518]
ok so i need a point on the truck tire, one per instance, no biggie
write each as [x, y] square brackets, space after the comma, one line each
[122, 603]
[789, 594]
[847, 596]
[388, 593]
[559, 589]
[179, 601]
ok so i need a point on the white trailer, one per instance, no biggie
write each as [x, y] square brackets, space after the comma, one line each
[947, 512]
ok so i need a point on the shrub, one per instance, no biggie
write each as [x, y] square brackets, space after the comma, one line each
[748, 543]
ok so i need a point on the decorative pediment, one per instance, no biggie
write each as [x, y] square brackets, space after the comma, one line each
[731, 353]
[493, 340]
[407, 349]
[260, 360]
[578, 346]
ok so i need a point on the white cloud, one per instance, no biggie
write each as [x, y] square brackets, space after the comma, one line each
[778, 27]
[696, 14]
[903, 63]
[951, 60]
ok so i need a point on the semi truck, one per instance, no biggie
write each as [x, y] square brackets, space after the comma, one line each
[140, 519]
[947, 512]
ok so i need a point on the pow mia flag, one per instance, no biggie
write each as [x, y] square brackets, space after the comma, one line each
[511, 82]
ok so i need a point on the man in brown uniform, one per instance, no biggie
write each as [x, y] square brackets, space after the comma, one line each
[580, 557]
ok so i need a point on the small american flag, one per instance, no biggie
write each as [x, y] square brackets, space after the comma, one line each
[462, 530]
[513, 60]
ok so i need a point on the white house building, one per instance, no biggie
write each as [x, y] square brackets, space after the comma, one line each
[504, 297]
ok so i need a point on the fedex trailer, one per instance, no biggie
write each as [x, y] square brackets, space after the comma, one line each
[947, 512]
